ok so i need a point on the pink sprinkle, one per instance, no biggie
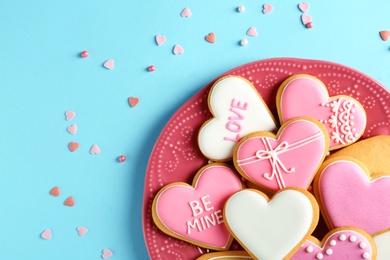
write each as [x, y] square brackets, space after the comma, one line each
[122, 158]
[151, 68]
[84, 54]
[46, 234]
[310, 25]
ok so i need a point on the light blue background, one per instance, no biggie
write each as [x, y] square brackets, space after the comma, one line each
[42, 76]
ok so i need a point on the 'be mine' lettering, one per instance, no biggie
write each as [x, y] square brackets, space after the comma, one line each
[207, 219]
[234, 121]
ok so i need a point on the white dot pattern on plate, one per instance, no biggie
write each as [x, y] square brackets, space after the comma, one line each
[176, 156]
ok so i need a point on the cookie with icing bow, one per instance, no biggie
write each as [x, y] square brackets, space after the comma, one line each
[290, 158]
[304, 95]
[193, 213]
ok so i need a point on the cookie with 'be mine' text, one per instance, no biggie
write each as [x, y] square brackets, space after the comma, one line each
[194, 213]
[237, 110]
[304, 95]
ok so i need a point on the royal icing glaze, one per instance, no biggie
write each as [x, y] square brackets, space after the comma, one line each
[194, 213]
[237, 110]
[304, 95]
[382, 242]
[274, 229]
[290, 159]
[338, 244]
[350, 197]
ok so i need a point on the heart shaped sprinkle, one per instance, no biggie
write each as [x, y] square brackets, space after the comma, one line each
[133, 101]
[304, 7]
[69, 115]
[107, 253]
[55, 191]
[46, 234]
[69, 202]
[252, 32]
[211, 37]
[186, 12]
[305, 19]
[73, 146]
[160, 39]
[384, 35]
[267, 8]
[82, 230]
[72, 129]
[95, 149]
[178, 49]
[109, 64]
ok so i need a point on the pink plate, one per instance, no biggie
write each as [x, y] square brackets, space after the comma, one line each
[176, 156]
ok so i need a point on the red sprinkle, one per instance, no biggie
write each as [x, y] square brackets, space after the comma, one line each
[309, 25]
[151, 68]
[122, 158]
[84, 54]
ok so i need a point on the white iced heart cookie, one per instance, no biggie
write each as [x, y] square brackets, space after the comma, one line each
[271, 229]
[237, 110]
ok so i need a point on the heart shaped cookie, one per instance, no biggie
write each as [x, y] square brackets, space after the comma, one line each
[289, 159]
[350, 196]
[194, 213]
[271, 229]
[341, 243]
[304, 95]
[237, 110]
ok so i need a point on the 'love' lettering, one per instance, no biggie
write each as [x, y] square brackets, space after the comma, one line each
[234, 124]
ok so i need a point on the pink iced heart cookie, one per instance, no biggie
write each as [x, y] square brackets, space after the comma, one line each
[304, 95]
[342, 243]
[237, 110]
[260, 224]
[349, 196]
[194, 213]
[288, 159]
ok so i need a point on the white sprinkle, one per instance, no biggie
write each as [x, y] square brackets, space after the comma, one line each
[241, 8]
[353, 239]
[244, 42]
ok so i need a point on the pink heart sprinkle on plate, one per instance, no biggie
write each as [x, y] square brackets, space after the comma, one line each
[82, 230]
[178, 49]
[305, 19]
[160, 39]
[69, 115]
[252, 32]
[186, 12]
[107, 253]
[95, 149]
[304, 7]
[72, 129]
[267, 8]
[109, 64]
[46, 234]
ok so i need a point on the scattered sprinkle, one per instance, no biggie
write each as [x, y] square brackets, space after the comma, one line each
[186, 12]
[241, 9]
[211, 37]
[244, 42]
[109, 64]
[160, 39]
[84, 54]
[82, 230]
[72, 129]
[177, 49]
[122, 158]
[69, 201]
[133, 101]
[384, 35]
[106, 253]
[305, 19]
[304, 7]
[46, 234]
[310, 25]
[151, 68]
[73, 146]
[95, 149]
[267, 8]
[69, 115]
[252, 32]
[55, 191]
